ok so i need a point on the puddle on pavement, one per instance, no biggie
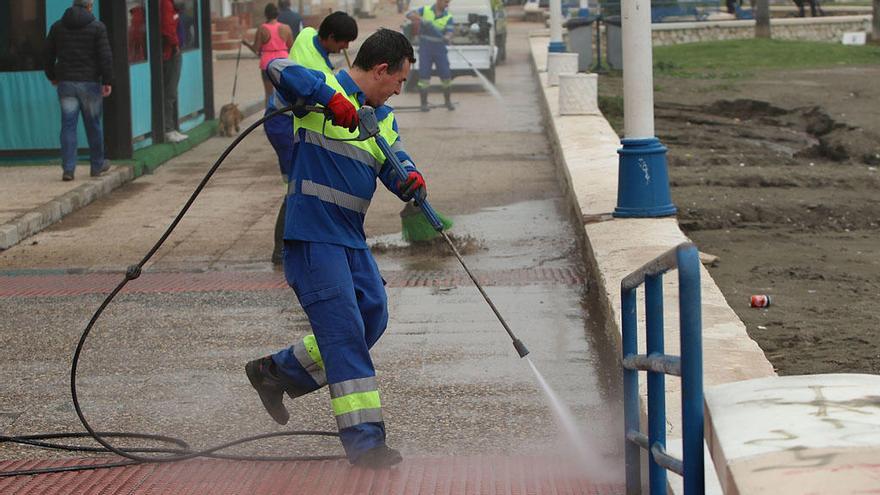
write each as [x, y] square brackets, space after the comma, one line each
[520, 235]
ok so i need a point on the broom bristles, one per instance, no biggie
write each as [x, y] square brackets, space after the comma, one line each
[416, 228]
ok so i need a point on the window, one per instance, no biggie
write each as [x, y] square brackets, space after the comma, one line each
[22, 35]
[137, 31]
[187, 27]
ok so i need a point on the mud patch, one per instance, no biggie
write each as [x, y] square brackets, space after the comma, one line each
[786, 195]
[437, 247]
[743, 131]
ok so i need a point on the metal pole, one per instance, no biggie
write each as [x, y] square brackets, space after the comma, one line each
[643, 181]
[157, 86]
[638, 76]
[691, 369]
[556, 44]
[632, 452]
[598, 68]
[117, 108]
[207, 58]
[656, 381]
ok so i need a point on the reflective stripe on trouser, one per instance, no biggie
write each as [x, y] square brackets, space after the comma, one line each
[355, 402]
[429, 55]
[343, 295]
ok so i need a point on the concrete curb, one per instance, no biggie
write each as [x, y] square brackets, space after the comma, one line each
[145, 161]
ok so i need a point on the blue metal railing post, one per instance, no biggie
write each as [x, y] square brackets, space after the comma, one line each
[632, 451]
[691, 369]
[656, 380]
[688, 366]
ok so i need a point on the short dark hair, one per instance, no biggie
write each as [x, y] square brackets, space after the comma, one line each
[283, 4]
[385, 47]
[271, 11]
[342, 26]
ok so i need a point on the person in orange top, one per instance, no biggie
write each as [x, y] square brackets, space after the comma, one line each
[272, 40]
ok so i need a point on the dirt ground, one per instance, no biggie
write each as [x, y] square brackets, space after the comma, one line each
[777, 175]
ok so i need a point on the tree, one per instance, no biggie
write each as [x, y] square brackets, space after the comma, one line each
[762, 19]
[875, 32]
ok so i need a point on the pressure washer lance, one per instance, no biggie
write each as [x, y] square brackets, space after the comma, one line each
[369, 127]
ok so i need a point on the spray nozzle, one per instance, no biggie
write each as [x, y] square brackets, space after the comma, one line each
[520, 348]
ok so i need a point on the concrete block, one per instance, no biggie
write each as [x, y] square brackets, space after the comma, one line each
[854, 38]
[30, 223]
[578, 94]
[8, 235]
[560, 63]
[796, 434]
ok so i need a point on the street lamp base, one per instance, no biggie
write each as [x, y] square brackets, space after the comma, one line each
[556, 47]
[643, 180]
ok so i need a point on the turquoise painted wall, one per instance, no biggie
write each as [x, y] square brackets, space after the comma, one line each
[141, 99]
[191, 94]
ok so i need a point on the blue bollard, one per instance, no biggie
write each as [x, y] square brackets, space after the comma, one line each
[643, 180]
[556, 47]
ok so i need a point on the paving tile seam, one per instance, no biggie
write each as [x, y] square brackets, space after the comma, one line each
[176, 282]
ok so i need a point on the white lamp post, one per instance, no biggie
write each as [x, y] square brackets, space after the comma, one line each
[556, 44]
[643, 182]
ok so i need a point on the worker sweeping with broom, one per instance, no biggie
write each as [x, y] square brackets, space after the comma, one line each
[326, 258]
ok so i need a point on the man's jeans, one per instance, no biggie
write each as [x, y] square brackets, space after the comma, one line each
[81, 97]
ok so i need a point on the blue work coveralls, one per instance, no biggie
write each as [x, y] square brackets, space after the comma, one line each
[432, 46]
[327, 261]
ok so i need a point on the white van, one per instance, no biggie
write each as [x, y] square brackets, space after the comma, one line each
[473, 41]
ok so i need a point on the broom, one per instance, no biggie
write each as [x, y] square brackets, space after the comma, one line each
[416, 228]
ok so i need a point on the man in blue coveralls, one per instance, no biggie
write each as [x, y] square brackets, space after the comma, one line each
[326, 258]
[435, 32]
[312, 50]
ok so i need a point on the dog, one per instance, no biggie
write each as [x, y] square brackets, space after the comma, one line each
[230, 118]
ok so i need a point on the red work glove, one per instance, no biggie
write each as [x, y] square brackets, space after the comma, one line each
[413, 187]
[344, 113]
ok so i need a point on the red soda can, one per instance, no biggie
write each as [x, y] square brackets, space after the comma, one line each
[760, 301]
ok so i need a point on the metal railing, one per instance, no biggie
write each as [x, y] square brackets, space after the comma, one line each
[689, 366]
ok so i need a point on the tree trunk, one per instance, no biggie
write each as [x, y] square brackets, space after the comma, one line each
[875, 32]
[762, 19]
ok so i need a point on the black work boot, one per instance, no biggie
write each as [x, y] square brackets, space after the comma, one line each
[263, 375]
[423, 94]
[379, 457]
[447, 98]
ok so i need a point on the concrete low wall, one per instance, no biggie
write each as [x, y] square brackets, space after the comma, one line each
[585, 148]
[802, 28]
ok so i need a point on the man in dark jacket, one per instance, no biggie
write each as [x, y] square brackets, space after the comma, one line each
[289, 17]
[79, 62]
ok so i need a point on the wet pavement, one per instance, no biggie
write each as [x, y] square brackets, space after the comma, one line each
[171, 360]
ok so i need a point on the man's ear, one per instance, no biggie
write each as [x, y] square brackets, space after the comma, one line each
[381, 69]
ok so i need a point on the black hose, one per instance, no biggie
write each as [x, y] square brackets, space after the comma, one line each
[183, 450]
